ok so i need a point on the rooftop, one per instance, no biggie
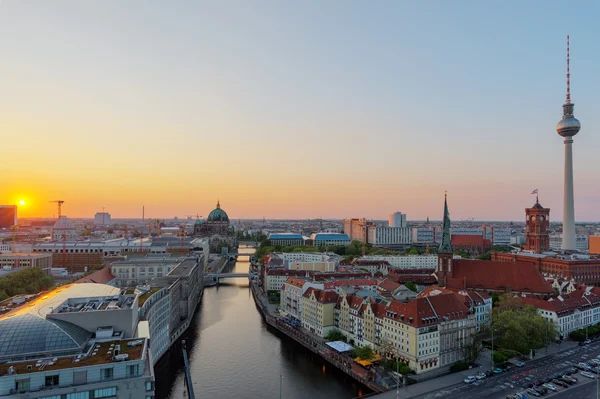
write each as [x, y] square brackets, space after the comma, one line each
[142, 298]
[99, 353]
[183, 269]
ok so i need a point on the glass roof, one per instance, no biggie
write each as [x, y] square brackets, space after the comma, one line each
[28, 334]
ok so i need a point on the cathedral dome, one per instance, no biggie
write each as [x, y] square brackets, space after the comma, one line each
[218, 215]
[199, 222]
[64, 223]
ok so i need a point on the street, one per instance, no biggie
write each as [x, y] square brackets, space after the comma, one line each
[507, 383]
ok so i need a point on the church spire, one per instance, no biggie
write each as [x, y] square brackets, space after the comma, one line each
[218, 204]
[445, 246]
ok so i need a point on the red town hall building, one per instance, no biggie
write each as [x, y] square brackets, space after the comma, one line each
[581, 269]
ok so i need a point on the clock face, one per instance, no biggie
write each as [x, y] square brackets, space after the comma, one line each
[533, 218]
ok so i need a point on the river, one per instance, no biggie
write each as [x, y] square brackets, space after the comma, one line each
[233, 355]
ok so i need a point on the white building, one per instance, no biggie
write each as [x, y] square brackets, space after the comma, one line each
[138, 271]
[397, 219]
[581, 242]
[291, 295]
[5, 248]
[29, 259]
[102, 219]
[407, 261]
[426, 235]
[389, 235]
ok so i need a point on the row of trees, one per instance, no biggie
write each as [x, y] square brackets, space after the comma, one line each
[27, 281]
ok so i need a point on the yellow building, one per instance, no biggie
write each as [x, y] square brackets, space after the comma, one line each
[317, 310]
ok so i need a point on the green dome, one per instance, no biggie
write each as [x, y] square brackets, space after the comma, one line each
[218, 215]
[199, 222]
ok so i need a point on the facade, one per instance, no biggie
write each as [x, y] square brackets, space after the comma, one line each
[568, 313]
[407, 261]
[479, 303]
[356, 228]
[78, 341]
[317, 311]
[594, 243]
[330, 239]
[475, 244]
[287, 239]
[102, 219]
[217, 229]
[154, 311]
[138, 271]
[389, 236]
[426, 235]
[583, 269]
[537, 222]
[397, 219]
[8, 216]
[291, 294]
[29, 259]
[581, 242]
[5, 248]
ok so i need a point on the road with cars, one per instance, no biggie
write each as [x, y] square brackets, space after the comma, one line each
[510, 382]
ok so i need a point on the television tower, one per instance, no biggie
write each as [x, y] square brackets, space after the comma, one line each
[568, 127]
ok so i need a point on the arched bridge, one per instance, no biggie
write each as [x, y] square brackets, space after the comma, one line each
[227, 275]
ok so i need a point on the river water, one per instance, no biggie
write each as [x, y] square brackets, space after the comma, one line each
[234, 355]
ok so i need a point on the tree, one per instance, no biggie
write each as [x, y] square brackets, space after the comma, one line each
[521, 328]
[335, 335]
[473, 348]
[485, 256]
[363, 352]
[413, 251]
[411, 286]
[31, 280]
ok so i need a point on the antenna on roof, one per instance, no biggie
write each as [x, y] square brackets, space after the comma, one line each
[568, 73]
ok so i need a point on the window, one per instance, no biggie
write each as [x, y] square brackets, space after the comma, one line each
[22, 385]
[106, 374]
[51, 380]
[79, 377]
[52, 397]
[132, 370]
[105, 392]
[148, 385]
[78, 395]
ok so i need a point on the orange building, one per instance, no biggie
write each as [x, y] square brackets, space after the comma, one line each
[594, 244]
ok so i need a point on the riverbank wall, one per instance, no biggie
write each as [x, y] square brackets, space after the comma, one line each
[343, 363]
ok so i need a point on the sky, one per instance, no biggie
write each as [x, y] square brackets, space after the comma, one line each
[296, 109]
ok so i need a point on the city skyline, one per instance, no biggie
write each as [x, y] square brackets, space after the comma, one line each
[156, 110]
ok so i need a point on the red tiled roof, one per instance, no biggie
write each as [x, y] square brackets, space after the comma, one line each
[469, 297]
[298, 282]
[321, 296]
[566, 306]
[388, 286]
[428, 310]
[471, 240]
[497, 276]
[101, 276]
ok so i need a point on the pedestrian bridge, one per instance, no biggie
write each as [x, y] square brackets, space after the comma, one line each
[227, 275]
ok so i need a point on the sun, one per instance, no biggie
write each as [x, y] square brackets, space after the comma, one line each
[22, 202]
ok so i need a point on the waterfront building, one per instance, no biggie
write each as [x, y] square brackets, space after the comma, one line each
[155, 319]
[397, 219]
[8, 216]
[25, 259]
[478, 302]
[102, 219]
[330, 239]
[313, 261]
[78, 341]
[581, 242]
[389, 236]
[317, 311]
[287, 239]
[217, 229]
[140, 270]
[291, 294]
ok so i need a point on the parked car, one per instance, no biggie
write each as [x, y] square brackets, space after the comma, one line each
[587, 341]
[560, 383]
[533, 392]
[587, 374]
[507, 368]
[522, 395]
[566, 379]
[541, 390]
[497, 370]
[519, 364]
[489, 373]
[537, 383]
[527, 385]
[550, 386]
[574, 378]
[469, 379]
[480, 376]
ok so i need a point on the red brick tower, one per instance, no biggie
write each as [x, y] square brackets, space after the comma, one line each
[537, 221]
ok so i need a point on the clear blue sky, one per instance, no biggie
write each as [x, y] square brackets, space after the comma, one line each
[297, 109]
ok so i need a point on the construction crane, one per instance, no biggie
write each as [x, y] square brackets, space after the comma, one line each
[64, 234]
[59, 202]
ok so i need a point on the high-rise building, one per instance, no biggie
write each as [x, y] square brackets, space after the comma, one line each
[537, 222]
[102, 219]
[8, 216]
[397, 219]
[568, 127]
[356, 229]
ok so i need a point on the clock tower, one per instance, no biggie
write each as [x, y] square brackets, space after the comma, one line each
[537, 222]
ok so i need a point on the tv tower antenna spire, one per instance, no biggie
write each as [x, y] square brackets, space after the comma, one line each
[568, 73]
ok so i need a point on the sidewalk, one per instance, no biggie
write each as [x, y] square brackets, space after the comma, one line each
[485, 362]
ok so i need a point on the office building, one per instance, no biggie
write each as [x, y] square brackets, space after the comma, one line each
[102, 219]
[397, 219]
[8, 216]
